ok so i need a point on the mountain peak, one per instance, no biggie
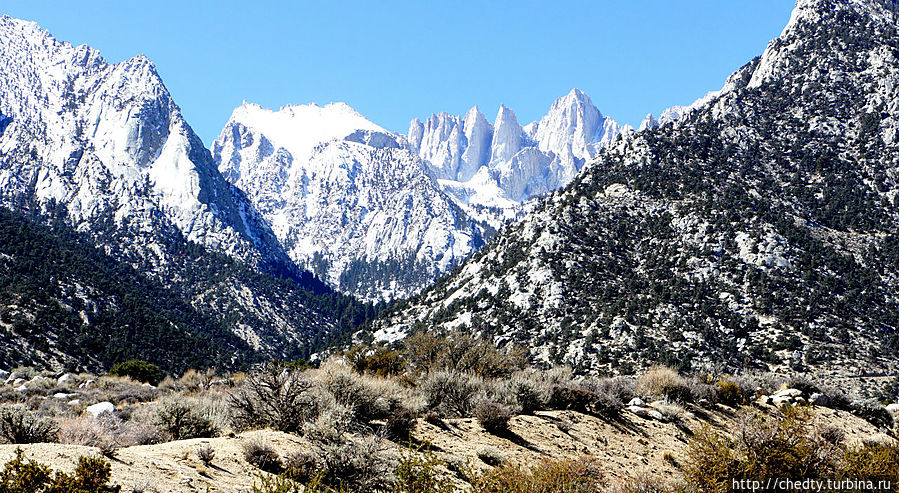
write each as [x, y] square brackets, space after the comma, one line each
[507, 135]
[299, 128]
[577, 95]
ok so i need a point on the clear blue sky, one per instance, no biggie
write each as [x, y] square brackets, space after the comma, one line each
[395, 60]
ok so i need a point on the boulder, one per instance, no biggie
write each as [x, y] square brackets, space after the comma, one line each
[86, 384]
[636, 401]
[100, 408]
[656, 415]
[64, 378]
[819, 399]
[893, 408]
[788, 393]
[63, 395]
[639, 411]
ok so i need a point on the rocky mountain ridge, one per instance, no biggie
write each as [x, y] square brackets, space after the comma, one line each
[758, 231]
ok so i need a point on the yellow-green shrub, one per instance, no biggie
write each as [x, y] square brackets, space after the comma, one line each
[550, 476]
[786, 447]
[20, 476]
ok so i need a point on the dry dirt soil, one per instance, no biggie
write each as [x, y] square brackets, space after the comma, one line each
[622, 447]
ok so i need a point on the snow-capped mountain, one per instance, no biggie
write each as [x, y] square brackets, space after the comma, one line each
[108, 139]
[491, 170]
[106, 146]
[346, 198]
[379, 214]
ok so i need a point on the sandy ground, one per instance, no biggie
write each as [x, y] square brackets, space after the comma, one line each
[622, 447]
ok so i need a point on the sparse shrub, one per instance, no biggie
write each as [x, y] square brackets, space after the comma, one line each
[400, 424]
[873, 412]
[622, 388]
[570, 397]
[367, 399]
[462, 353]
[493, 416]
[491, 456]
[607, 395]
[107, 432]
[550, 476]
[301, 466]
[527, 392]
[356, 465]
[91, 475]
[121, 390]
[642, 482]
[18, 425]
[262, 456]
[179, 421]
[452, 394]
[668, 456]
[416, 472]
[272, 397]
[206, 454]
[832, 435]
[586, 398]
[92, 431]
[803, 383]
[671, 411]
[838, 398]
[191, 381]
[139, 370]
[282, 484]
[331, 422]
[661, 381]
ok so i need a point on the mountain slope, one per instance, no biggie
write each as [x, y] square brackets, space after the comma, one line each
[66, 304]
[760, 230]
[346, 198]
[106, 146]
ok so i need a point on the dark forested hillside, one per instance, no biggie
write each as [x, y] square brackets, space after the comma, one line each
[66, 303]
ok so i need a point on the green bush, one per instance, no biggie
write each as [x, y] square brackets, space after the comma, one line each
[378, 361]
[91, 476]
[730, 393]
[416, 472]
[18, 425]
[139, 370]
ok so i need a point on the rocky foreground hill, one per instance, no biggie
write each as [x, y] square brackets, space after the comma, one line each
[757, 231]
